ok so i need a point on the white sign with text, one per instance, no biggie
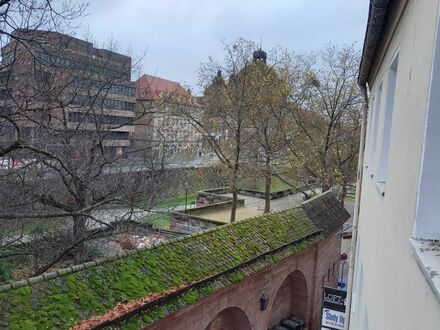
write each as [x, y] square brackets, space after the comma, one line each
[333, 319]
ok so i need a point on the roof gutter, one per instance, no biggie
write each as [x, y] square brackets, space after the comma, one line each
[376, 20]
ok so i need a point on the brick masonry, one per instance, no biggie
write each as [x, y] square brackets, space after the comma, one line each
[294, 286]
[184, 223]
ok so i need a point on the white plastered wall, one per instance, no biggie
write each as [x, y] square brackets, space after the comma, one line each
[395, 292]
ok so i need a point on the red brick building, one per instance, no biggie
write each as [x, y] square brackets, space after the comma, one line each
[248, 275]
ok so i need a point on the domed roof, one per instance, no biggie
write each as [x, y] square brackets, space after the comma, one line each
[260, 55]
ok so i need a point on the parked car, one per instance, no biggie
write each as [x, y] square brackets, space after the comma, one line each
[10, 163]
[5, 164]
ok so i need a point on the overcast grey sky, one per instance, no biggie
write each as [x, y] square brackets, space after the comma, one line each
[180, 34]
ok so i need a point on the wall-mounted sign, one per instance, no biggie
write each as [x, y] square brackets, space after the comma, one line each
[332, 319]
[333, 309]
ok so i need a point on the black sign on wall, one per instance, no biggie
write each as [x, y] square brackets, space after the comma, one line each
[334, 299]
[333, 309]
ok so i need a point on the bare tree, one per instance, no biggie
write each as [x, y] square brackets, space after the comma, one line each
[269, 119]
[325, 104]
[225, 122]
[74, 149]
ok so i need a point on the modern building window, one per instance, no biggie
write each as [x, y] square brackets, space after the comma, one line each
[88, 118]
[103, 103]
[372, 139]
[382, 161]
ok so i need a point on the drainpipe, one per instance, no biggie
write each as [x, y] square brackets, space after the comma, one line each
[363, 87]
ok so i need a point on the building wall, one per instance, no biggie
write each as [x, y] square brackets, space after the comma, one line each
[183, 223]
[80, 72]
[164, 131]
[143, 134]
[389, 286]
[311, 266]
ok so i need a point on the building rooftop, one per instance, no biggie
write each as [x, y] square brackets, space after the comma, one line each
[146, 285]
[42, 39]
[152, 88]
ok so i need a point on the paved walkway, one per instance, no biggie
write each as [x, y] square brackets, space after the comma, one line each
[225, 215]
[252, 207]
[276, 205]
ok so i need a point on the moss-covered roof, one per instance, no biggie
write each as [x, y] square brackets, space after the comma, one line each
[155, 282]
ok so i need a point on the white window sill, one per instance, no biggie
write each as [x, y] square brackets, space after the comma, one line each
[427, 254]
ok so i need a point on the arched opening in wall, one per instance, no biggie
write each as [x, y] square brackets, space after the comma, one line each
[290, 300]
[232, 318]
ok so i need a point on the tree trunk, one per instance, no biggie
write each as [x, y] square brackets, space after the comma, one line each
[343, 192]
[268, 184]
[79, 232]
[234, 189]
[324, 184]
[326, 181]
[234, 204]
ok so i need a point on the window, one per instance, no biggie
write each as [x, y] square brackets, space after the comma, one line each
[373, 128]
[78, 117]
[382, 164]
[426, 241]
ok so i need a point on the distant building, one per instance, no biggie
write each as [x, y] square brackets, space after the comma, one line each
[208, 104]
[248, 275]
[159, 127]
[68, 84]
[397, 263]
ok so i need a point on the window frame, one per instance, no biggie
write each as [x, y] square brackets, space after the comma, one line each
[374, 128]
[387, 122]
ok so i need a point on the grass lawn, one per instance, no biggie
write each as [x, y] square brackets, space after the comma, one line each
[178, 201]
[172, 202]
[162, 220]
[159, 220]
[258, 184]
[28, 228]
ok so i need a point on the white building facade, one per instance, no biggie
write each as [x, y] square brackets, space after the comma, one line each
[160, 127]
[397, 253]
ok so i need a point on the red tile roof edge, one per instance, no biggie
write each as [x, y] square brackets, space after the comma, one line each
[150, 87]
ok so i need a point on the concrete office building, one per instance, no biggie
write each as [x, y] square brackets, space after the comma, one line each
[68, 84]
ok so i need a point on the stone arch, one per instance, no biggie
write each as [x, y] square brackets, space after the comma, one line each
[291, 299]
[232, 318]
